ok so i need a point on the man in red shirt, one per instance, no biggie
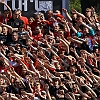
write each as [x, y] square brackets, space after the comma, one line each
[7, 14]
[37, 33]
[35, 23]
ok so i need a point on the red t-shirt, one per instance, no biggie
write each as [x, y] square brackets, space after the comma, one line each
[55, 34]
[60, 46]
[36, 63]
[46, 22]
[67, 34]
[4, 20]
[38, 36]
[18, 69]
[27, 64]
[33, 25]
[25, 20]
[59, 15]
[1, 18]
[2, 69]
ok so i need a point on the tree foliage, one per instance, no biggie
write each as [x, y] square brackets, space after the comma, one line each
[76, 4]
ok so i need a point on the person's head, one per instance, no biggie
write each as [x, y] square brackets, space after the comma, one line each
[82, 79]
[6, 13]
[75, 86]
[18, 84]
[44, 94]
[72, 69]
[57, 65]
[42, 16]
[56, 27]
[24, 72]
[37, 85]
[74, 16]
[28, 42]
[20, 12]
[97, 32]
[69, 59]
[60, 33]
[55, 82]
[15, 14]
[85, 30]
[61, 91]
[99, 18]
[76, 25]
[57, 12]
[62, 47]
[5, 30]
[37, 17]
[83, 54]
[4, 96]
[15, 36]
[30, 20]
[96, 50]
[37, 30]
[27, 75]
[2, 81]
[21, 28]
[40, 69]
[18, 47]
[49, 13]
[88, 12]
[79, 19]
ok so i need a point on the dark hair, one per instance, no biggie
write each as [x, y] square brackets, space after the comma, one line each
[18, 10]
[14, 32]
[49, 11]
[6, 11]
[21, 26]
[14, 11]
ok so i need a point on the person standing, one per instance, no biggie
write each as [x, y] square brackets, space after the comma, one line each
[7, 14]
[23, 18]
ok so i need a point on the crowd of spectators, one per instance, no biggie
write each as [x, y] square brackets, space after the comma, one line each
[57, 58]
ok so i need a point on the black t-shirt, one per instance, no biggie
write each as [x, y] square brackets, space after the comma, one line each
[84, 46]
[13, 43]
[12, 89]
[15, 23]
[3, 37]
[53, 90]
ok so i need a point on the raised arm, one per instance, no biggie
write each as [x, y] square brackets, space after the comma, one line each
[47, 91]
[67, 46]
[9, 27]
[61, 61]
[94, 94]
[76, 41]
[10, 11]
[74, 30]
[67, 15]
[79, 14]
[91, 31]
